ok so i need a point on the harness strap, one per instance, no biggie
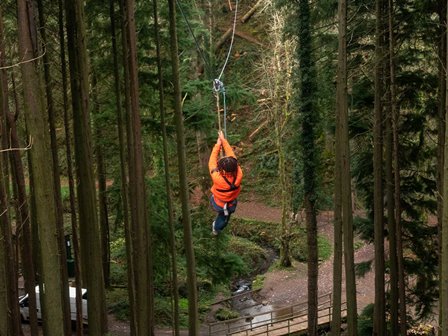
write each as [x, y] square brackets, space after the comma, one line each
[231, 185]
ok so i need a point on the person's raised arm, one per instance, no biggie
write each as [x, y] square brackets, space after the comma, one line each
[213, 161]
[228, 151]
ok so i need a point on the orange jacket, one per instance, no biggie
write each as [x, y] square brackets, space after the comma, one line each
[219, 183]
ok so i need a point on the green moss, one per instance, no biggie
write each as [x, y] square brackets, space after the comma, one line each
[252, 254]
[224, 314]
[258, 282]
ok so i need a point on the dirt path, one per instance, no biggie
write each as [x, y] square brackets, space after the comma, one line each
[285, 287]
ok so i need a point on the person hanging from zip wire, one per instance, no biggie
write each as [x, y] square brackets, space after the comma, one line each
[226, 176]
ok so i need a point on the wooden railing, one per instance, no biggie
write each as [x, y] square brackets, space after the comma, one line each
[291, 316]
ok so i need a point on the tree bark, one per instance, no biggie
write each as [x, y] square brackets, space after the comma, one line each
[444, 241]
[56, 172]
[9, 324]
[102, 188]
[22, 215]
[71, 180]
[169, 202]
[442, 91]
[144, 301]
[42, 182]
[379, 310]
[397, 182]
[342, 140]
[186, 219]
[122, 122]
[91, 249]
[308, 137]
[391, 181]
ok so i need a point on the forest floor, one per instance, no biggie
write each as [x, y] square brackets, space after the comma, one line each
[283, 287]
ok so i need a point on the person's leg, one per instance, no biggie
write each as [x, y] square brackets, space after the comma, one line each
[220, 222]
[223, 217]
[230, 209]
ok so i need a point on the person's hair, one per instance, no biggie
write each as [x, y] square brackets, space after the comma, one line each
[228, 164]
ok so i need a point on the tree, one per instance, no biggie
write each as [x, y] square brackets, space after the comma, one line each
[71, 179]
[122, 125]
[89, 228]
[391, 172]
[56, 171]
[442, 108]
[8, 273]
[395, 114]
[169, 202]
[42, 182]
[186, 219]
[141, 238]
[379, 322]
[308, 136]
[444, 242]
[9, 311]
[343, 203]
[276, 68]
[22, 217]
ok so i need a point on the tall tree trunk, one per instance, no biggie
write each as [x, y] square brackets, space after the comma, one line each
[9, 322]
[341, 106]
[91, 249]
[4, 274]
[22, 219]
[396, 168]
[379, 311]
[102, 188]
[444, 241]
[104, 215]
[169, 202]
[186, 219]
[4, 290]
[280, 88]
[123, 148]
[71, 182]
[43, 183]
[310, 157]
[22, 214]
[56, 172]
[342, 140]
[390, 181]
[442, 92]
[9, 311]
[337, 239]
[144, 304]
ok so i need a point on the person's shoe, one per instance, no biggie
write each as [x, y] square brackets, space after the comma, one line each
[214, 232]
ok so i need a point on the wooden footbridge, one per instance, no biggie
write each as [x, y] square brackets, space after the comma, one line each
[286, 320]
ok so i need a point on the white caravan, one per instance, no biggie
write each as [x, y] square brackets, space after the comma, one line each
[24, 305]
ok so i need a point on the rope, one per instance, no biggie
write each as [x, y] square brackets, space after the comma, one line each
[218, 85]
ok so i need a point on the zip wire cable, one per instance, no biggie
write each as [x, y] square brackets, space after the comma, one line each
[217, 84]
[194, 36]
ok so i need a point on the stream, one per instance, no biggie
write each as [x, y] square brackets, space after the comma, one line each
[251, 303]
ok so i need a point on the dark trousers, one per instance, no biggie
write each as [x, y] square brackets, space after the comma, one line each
[222, 219]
